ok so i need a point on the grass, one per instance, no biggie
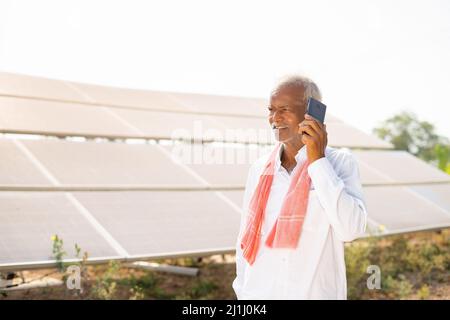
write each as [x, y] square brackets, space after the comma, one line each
[410, 265]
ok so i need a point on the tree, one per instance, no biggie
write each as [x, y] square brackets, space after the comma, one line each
[407, 133]
[443, 157]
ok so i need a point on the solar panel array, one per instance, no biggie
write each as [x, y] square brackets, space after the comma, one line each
[137, 201]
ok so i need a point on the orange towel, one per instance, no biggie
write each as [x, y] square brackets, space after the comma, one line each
[287, 229]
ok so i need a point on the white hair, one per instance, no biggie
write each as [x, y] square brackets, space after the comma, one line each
[309, 87]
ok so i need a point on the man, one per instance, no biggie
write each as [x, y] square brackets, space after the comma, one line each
[301, 203]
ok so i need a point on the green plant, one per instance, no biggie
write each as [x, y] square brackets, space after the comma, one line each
[106, 285]
[136, 293]
[202, 288]
[424, 292]
[58, 252]
[399, 287]
[407, 262]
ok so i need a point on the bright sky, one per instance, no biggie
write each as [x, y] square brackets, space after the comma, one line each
[371, 59]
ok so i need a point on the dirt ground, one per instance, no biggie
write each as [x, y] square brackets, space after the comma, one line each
[414, 266]
[213, 282]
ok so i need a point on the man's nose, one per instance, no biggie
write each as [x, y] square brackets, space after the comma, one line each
[277, 117]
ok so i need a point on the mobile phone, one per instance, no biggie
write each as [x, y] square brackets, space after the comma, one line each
[316, 109]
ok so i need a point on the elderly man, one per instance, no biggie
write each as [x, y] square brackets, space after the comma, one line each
[301, 203]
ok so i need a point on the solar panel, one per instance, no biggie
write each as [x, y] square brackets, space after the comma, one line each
[233, 129]
[27, 86]
[149, 224]
[343, 135]
[112, 163]
[217, 128]
[229, 165]
[167, 125]
[56, 118]
[253, 130]
[164, 223]
[222, 104]
[29, 219]
[144, 99]
[16, 168]
[396, 166]
[108, 163]
[256, 107]
[401, 209]
[237, 196]
[81, 118]
[217, 165]
[436, 194]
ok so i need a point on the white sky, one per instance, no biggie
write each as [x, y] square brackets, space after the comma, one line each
[370, 58]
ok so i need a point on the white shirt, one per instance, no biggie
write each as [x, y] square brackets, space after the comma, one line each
[336, 213]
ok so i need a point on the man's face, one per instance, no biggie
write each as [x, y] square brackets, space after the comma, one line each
[286, 111]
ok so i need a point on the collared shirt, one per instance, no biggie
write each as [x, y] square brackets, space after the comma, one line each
[336, 213]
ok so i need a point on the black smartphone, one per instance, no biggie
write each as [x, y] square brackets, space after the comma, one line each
[316, 109]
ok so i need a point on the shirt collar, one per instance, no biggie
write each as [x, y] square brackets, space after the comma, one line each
[299, 157]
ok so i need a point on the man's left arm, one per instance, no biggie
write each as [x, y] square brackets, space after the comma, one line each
[341, 195]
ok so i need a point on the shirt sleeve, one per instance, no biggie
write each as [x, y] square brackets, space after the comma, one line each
[341, 195]
[240, 261]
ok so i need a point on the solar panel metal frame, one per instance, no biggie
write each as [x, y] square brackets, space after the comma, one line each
[191, 106]
[126, 118]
